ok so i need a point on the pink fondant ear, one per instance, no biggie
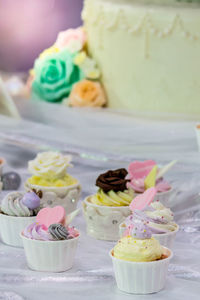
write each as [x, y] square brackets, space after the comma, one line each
[143, 200]
[140, 169]
[48, 216]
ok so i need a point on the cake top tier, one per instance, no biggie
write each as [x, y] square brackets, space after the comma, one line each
[157, 2]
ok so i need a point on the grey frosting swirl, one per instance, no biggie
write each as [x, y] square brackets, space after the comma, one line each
[12, 205]
[58, 232]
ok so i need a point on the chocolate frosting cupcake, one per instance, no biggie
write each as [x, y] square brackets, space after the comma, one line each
[113, 180]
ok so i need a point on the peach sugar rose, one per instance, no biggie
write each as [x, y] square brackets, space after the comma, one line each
[87, 93]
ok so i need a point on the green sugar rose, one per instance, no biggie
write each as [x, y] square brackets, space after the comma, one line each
[55, 75]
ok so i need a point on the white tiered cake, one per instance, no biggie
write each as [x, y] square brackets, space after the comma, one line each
[148, 52]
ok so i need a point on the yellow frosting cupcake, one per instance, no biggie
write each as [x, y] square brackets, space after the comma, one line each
[138, 250]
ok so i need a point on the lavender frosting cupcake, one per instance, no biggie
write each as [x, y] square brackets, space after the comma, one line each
[159, 221]
[50, 246]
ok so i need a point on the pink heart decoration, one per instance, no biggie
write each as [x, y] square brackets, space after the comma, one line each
[48, 216]
[138, 169]
[143, 200]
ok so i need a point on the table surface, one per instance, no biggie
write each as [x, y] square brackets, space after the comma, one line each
[100, 140]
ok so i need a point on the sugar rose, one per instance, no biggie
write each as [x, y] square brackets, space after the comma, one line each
[113, 180]
[72, 39]
[87, 93]
[55, 75]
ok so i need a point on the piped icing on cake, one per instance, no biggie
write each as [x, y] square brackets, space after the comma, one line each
[142, 49]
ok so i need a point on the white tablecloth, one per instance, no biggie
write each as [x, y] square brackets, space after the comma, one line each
[100, 140]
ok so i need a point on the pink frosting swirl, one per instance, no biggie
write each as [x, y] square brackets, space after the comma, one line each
[137, 173]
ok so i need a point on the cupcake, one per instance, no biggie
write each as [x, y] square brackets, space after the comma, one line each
[18, 209]
[109, 207]
[143, 175]
[51, 180]
[159, 219]
[140, 262]
[49, 243]
[2, 163]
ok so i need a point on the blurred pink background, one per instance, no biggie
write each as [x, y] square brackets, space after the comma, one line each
[29, 26]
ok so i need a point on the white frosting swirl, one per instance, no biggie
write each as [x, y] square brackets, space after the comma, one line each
[163, 217]
[12, 205]
[49, 165]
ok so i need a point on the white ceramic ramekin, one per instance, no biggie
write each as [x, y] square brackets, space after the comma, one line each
[50, 256]
[11, 227]
[141, 277]
[165, 239]
[103, 221]
[51, 196]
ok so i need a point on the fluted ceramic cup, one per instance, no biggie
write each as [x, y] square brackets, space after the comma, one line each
[103, 221]
[165, 239]
[67, 196]
[11, 227]
[141, 277]
[50, 256]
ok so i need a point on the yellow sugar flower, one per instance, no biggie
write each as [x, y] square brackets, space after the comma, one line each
[48, 51]
[80, 58]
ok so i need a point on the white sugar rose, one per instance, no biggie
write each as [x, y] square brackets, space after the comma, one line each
[49, 165]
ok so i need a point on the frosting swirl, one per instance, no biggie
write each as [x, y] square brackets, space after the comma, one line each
[13, 205]
[113, 198]
[138, 185]
[139, 230]
[138, 250]
[67, 180]
[113, 180]
[55, 232]
[158, 219]
[49, 165]
[143, 175]
[37, 232]
[58, 232]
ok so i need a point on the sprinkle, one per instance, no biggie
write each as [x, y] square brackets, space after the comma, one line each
[144, 230]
